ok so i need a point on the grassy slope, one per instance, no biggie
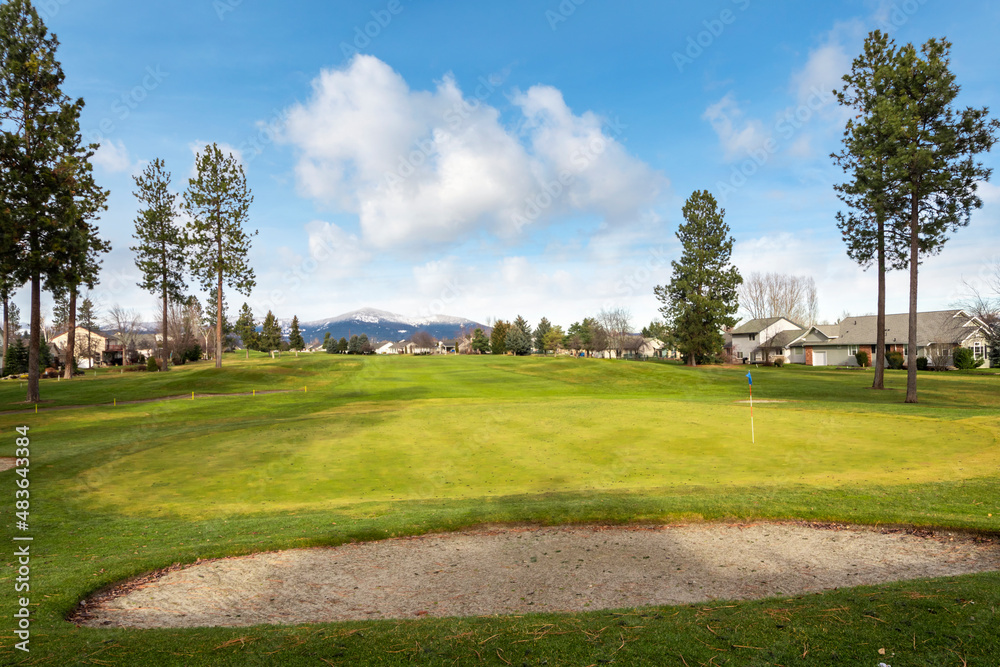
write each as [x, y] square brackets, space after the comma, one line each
[117, 491]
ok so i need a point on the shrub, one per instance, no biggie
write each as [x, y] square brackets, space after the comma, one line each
[779, 361]
[863, 358]
[895, 360]
[193, 353]
[152, 365]
[921, 363]
[965, 360]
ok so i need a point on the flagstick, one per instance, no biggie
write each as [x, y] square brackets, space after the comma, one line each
[753, 439]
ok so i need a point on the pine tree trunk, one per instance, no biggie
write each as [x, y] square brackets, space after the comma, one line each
[218, 323]
[6, 334]
[911, 362]
[35, 338]
[165, 353]
[879, 381]
[70, 335]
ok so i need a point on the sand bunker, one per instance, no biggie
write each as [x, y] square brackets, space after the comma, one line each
[522, 570]
[7, 463]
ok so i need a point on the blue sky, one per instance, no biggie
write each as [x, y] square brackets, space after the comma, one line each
[495, 159]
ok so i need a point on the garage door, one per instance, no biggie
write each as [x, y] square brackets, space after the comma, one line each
[819, 358]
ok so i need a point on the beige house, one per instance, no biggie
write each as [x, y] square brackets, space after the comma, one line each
[89, 348]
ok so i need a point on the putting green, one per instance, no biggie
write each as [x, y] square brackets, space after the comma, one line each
[448, 449]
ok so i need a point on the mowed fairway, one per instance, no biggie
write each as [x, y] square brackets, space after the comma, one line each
[362, 448]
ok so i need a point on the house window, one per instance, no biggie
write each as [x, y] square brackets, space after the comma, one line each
[753, 336]
[978, 350]
[852, 349]
[739, 354]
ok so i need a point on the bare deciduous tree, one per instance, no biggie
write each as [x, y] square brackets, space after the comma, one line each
[125, 324]
[764, 295]
[423, 340]
[616, 323]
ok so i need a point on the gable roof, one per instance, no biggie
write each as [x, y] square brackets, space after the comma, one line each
[755, 326]
[942, 326]
[784, 338]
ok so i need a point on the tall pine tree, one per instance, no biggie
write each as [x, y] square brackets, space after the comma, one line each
[42, 156]
[218, 201]
[270, 334]
[295, 340]
[246, 329]
[874, 228]
[701, 297]
[159, 252]
[933, 161]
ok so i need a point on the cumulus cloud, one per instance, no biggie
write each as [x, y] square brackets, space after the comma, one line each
[737, 134]
[793, 128]
[424, 167]
[112, 156]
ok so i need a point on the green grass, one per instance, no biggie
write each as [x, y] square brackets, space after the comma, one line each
[392, 446]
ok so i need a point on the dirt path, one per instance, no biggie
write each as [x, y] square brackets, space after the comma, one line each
[520, 570]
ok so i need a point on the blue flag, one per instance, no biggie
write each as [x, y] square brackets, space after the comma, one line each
[749, 379]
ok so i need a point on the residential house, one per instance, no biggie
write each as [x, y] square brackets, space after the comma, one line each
[754, 341]
[89, 347]
[939, 334]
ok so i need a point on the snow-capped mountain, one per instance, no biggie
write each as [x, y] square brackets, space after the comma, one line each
[382, 325]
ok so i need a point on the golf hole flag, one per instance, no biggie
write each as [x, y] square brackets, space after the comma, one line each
[753, 440]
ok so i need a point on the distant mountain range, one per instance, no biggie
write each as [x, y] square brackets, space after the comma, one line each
[382, 325]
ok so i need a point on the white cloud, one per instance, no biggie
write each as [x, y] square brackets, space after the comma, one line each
[792, 130]
[423, 167]
[737, 134]
[112, 156]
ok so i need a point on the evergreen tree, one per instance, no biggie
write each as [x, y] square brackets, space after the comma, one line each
[246, 329]
[295, 340]
[553, 339]
[701, 297]
[541, 330]
[88, 317]
[60, 311]
[364, 345]
[16, 358]
[354, 347]
[657, 329]
[518, 340]
[46, 182]
[159, 252]
[498, 337]
[931, 160]
[8, 285]
[342, 345]
[873, 229]
[480, 343]
[218, 201]
[270, 334]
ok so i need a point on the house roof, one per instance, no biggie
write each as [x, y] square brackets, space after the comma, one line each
[79, 329]
[784, 338]
[941, 326]
[757, 325]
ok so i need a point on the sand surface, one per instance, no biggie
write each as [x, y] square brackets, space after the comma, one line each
[523, 570]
